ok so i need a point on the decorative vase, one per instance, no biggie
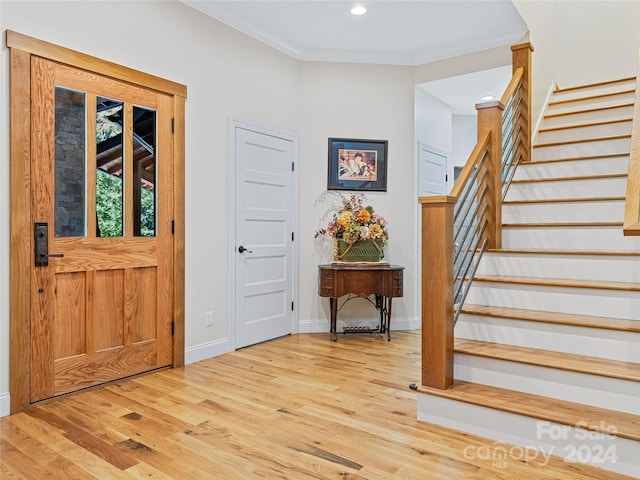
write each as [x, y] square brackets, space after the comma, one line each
[360, 251]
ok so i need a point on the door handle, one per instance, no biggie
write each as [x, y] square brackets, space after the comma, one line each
[41, 245]
[241, 249]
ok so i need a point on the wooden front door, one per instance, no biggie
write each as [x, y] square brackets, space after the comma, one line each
[102, 209]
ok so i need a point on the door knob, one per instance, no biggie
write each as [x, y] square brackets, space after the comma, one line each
[241, 249]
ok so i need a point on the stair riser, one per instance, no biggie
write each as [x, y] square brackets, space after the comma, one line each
[575, 168]
[574, 150]
[564, 212]
[593, 91]
[580, 301]
[594, 390]
[587, 188]
[577, 267]
[592, 342]
[624, 111]
[512, 429]
[569, 238]
[584, 133]
[598, 102]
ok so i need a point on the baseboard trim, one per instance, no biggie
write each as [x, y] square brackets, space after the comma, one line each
[207, 350]
[322, 325]
[5, 404]
[212, 349]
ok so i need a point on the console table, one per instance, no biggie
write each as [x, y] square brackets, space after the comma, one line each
[362, 279]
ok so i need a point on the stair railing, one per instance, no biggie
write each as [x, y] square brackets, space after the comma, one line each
[459, 227]
[632, 203]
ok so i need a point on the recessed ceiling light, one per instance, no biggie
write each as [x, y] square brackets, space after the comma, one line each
[358, 11]
[486, 98]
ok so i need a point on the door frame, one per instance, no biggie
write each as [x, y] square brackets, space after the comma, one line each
[233, 123]
[22, 48]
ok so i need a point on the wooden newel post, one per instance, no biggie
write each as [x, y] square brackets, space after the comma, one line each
[437, 291]
[521, 56]
[490, 121]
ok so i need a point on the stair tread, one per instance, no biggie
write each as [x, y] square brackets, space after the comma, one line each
[543, 408]
[563, 200]
[563, 224]
[588, 110]
[592, 97]
[593, 85]
[569, 179]
[560, 282]
[585, 124]
[550, 359]
[581, 140]
[563, 252]
[554, 317]
[573, 159]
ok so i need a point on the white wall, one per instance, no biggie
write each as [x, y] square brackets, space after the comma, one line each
[434, 127]
[433, 121]
[455, 66]
[357, 101]
[580, 42]
[465, 136]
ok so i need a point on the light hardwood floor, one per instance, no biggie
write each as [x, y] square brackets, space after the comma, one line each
[299, 407]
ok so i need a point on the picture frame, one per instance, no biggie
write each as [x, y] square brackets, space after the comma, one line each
[356, 164]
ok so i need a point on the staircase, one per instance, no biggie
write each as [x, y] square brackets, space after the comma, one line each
[547, 351]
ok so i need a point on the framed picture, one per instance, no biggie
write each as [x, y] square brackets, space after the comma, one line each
[357, 164]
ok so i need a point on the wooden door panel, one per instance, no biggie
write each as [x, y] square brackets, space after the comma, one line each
[70, 317]
[75, 79]
[81, 254]
[141, 294]
[75, 373]
[108, 309]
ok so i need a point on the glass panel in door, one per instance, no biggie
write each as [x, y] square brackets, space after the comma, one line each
[144, 172]
[109, 164]
[70, 161]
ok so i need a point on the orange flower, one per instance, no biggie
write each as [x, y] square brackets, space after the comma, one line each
[364, 216]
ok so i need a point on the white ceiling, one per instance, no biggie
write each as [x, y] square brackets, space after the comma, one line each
[398, 32]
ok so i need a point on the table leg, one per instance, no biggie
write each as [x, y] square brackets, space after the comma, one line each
[333, 303]
[388, 310]
[380, 308]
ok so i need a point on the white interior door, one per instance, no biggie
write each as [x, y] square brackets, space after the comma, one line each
[264, 235]
[432, 171]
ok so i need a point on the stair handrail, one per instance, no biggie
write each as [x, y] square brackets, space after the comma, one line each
[458, 228]
[631, 225]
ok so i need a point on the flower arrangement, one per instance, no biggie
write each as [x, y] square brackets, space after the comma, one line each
[354, 221]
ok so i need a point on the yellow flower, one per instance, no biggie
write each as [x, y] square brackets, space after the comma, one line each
[364, 216]
[375, 231]
[344, 219]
